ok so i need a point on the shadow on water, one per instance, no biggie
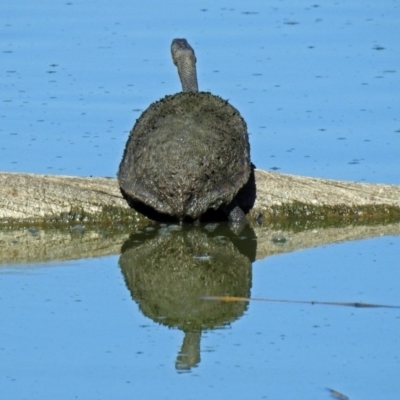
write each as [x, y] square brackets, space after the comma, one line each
[169, 270]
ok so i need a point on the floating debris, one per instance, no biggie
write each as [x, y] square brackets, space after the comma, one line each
[279, 240]
[337, 395]
[202, 257]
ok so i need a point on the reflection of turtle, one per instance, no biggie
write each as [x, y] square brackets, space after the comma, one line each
[187, 153]
[170, 272]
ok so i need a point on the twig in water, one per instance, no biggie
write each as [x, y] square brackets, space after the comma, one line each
[324, 303]
[337, 395]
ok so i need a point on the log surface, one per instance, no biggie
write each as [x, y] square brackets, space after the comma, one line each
[291, 195]
[30, 198]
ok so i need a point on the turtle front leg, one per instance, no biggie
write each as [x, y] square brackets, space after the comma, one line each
[236, 216]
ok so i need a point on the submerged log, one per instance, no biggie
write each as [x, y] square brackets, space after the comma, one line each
[51, 199]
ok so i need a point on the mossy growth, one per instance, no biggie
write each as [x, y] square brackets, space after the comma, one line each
[300, 215]
[109, 216]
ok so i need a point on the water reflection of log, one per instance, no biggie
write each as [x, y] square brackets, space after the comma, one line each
[169, 272]
[30, 245]
[36, 245]
[286, 240]
[29, 198]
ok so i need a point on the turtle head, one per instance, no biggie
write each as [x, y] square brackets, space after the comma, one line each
[185, 60]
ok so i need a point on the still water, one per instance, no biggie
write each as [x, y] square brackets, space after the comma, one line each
[318, 86]
[136, 324]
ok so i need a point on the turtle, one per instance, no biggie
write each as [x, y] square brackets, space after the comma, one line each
[188, 152]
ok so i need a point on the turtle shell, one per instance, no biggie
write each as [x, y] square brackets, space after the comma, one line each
[187, 153]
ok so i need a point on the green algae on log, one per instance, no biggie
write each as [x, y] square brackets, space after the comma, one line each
[28, 199]
[283, 196]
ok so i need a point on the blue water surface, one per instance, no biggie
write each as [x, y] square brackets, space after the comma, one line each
[318, 84]
[71, 330]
